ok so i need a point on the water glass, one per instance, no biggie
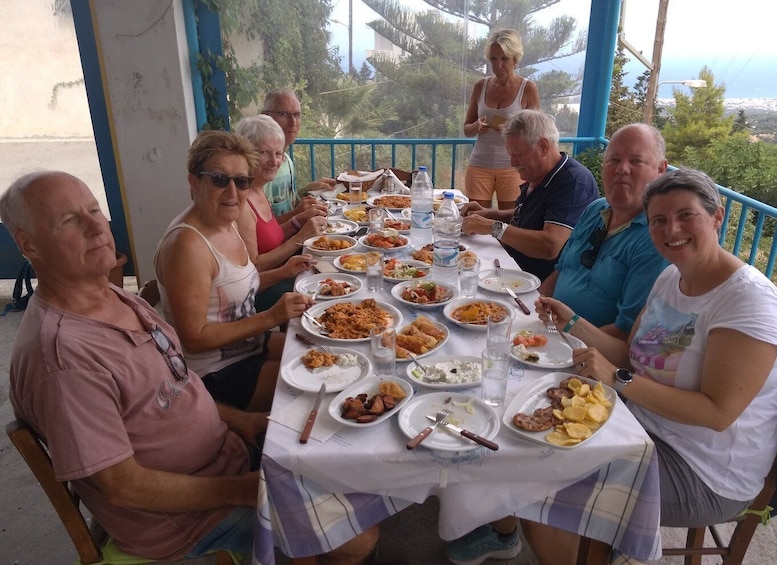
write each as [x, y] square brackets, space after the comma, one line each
[493, 386]
[355, 190]
[374, 271]
[469, 276]
[498, 330]
[375, 218]
[383, 346]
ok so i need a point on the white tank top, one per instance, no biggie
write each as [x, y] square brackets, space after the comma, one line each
[489, 151]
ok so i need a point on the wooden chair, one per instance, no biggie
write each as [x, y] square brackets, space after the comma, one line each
[66, 502]
[734, 552]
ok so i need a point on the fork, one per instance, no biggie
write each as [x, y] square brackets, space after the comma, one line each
[440, 418]
[550, 327]
[322, 329]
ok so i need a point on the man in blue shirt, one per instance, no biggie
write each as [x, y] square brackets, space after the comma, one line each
[609, 263]
[556, 191]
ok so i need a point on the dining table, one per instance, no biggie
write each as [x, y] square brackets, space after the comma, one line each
[315, 496]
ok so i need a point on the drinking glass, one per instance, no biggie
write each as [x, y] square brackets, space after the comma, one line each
[469, 276]
[384, 357]
[498, 330]
[355, 189]
[493, 385]
[374, 271]
[375, 218]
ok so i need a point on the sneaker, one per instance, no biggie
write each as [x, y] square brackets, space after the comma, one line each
[483, 543]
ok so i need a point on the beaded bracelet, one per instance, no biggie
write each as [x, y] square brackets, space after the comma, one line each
[572, 321]
[296, 223]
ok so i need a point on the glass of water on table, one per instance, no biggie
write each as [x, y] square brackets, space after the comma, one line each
[374, 271]
[493, 384]
[383, 346]
[469, 276]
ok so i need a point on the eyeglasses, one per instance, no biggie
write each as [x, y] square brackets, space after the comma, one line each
[588, 257]
[287, 115]
[220, 180]
[175, 362]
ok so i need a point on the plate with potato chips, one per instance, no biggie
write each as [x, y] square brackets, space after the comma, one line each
[561, 410]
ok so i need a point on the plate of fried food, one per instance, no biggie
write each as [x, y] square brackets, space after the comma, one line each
[396, 270]
[534, 346]
[350, 320]
[371, 401]
[329, 286]
[340, 227]
[338, 367]
[352, 262]
[329, 245]
[473, 313]
[423, 294]
[390, 202]
[422, 337]
[426, 253]
[356, 214]
[402, 226]
[447, 372]
[467, 412]
[560, 409]
[384, 240]
[519, 281]
[346, 196]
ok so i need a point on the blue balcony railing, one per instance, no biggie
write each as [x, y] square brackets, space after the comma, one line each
[747, 231]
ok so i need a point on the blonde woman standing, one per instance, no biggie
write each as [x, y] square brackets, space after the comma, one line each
[495, 98]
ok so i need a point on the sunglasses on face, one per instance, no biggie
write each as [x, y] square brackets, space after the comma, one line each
[588, 257]
[220, 180]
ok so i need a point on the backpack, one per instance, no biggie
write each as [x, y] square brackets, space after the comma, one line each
[23, 282]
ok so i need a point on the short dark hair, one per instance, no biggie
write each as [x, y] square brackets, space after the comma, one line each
[697, 182]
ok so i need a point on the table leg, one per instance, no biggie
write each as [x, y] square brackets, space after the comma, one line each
[593, 552]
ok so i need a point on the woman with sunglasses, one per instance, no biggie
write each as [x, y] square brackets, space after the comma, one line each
[269, 242]
[698, 371]
[208, 284]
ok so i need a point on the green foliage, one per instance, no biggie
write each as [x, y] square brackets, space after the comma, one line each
[626, 106]
[592, 159]
[697, 120]
[740, 122]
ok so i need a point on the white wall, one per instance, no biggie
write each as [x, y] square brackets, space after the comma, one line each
[148, 82]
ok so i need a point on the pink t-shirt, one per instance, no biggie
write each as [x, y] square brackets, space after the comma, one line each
[90, 390]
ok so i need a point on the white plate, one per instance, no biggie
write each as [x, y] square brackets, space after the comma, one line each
[519, 281]
[484, 421]
[534, 396]
[373, 201]
[310, 283]
[368, 387]
[332, 194]
[340, 227]
[346, 197]
[553, 355]
[395, 318]
[433, 350]
[349, 208]
[338, 263]
[397, 290]
[410, 263]
[363, 241]
[336, 378]
[451, 306]
[447, 386]
[321, 253]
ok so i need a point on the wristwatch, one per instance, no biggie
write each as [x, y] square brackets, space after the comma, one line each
[623, 378]
[498, 229]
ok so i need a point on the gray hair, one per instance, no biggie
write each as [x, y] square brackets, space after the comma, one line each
[271, 97]
[531, 126]
[258, 129]
[659, 145]
[697, 182]
[510, 42]
[14, 208]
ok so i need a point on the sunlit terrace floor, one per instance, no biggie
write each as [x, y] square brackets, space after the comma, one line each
[31, 534]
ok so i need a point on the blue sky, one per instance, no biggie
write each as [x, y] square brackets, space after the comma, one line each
[729, 37]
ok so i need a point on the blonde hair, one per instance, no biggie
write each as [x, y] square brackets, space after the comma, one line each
[213, 142]
[509, 41]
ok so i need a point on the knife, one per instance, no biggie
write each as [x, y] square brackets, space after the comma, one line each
[518, 301]
[305, 340]
[313, 413]
[468, 434]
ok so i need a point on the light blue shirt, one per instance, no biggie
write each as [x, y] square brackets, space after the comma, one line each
[615, 289]
[281, 191]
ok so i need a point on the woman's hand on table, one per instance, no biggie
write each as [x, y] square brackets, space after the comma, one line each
[290, 305]
[589, 362]
[309, 207]
[555, 311]
[313, 226]
[297, 264]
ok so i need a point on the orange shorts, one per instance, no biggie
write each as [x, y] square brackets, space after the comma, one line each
[481, 183]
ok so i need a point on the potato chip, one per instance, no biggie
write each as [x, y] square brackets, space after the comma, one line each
[575, 413]
[560, 438]
[574, 384]
[577, 431]
[598, 413]
[583, 391]
[391, 388]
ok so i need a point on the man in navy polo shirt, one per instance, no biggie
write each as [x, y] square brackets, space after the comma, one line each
[557, 190]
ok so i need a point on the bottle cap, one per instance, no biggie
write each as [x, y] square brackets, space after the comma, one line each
[447, 194]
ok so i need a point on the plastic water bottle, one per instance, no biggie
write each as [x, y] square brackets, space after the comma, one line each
[421, 200]
[447, 233]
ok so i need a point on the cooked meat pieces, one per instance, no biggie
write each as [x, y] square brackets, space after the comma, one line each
[365, 410]
[541, 420]
[556, 394]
